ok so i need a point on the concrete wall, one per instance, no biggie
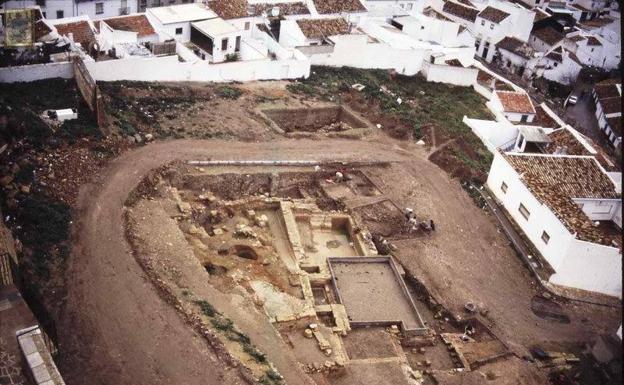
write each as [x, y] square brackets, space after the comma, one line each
[29, 73]
[493, 134]
[459, 76]
[600, 209]
[592, 267]
[355, 51]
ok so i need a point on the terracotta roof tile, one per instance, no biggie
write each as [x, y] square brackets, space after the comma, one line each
[81, 31]
[134, 23]
[515, 102]
[492, 14]
[548, 35]
[606, 90]
[593, 41]
[229, 9]
[515, 46]
[337, 6]
[41, 29]
[616, 125]
[563, 138]
[461, 11]
[542, 119]
[611, 105]
[284, 8]
[556, 180]
[321, 28]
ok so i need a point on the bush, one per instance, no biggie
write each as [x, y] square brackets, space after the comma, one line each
[206, 308]
[301, 88]
[227, 92]
[45, 222]
[254, 353]
[222, 323]
[230, 57]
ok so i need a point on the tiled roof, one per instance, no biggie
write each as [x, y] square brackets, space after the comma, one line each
[284, 8]
[454, 63]
[321, 28]
[492, 14]
[542, 119]
[555, 56]
[556, 180]
[515, 46]
[229, 9]
[563, 138]
[81, 31]
[597, 22]
[134, 23]
[540, 15]
[577, 38]
[515, 102]
[337, 6]
[606, 90]
[548, 35]
[581, 8]
[461, 11]
[466, 2]
[573, 56]
[429, 11]
[593, 41]
[616, 125]
[611, 105]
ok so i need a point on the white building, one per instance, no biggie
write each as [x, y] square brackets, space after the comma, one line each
[174, 22]
[570, 210]
[608, 98]
[217, 40]
[545, 39]
[94, 9]
[594, 50]
[514, 106]
[392, 8]
[122, 30]
[434, 27]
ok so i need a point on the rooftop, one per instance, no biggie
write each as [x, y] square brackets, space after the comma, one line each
[557, 180]
[611, 105]
[597, 22]
[284, 8]
[515, 102]
[564, 139]
[81, 31]
[616, 125]
[461, 11]
[321, 28]
[548, 35]
[534, 134]
[593, 41]
[230, 9]
[133, 23]
[515, 46]
[542, 119]
[492, 14]
[182, 13]
[338, 6]
[607, 90]
[430, 12]
[215, 27]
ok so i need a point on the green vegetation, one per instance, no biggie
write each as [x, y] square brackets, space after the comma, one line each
[271, 377]
[422, 104]
[206, 308]
[228, 92]
[45, 222]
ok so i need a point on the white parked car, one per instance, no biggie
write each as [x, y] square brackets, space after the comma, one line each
[572, 99]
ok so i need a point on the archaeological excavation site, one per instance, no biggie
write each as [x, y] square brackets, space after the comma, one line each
[290, 264]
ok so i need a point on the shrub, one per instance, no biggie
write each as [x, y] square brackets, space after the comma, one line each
[227, 92]
[230, 57]
[206, 308]
[222, 323]
[254, 353]
[45, 222]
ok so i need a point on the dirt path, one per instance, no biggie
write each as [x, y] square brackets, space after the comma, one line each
[115, 329]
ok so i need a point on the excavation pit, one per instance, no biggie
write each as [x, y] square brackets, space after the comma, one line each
[374, 293]
[327, 119]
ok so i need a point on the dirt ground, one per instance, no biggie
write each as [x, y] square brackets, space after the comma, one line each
[115, 327]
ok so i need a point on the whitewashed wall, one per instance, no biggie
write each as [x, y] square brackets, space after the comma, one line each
[355, 51]
[592, 267]
[171, 69]
[458, 76]
[541, 218]
[493, 134]
[34, 72]
[601, 209]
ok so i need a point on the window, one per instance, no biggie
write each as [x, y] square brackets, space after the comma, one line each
[44, 15]
[482, 22]
[179, 31]
[545, 237]
[523, 210]
[99, 8]
[224, 43]
[60, 14]
[492, 26]
[524, 118]
[504, 187]
[592, 50]
[247, 26]
[40, 3]
[555, 64]
[409, 6]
